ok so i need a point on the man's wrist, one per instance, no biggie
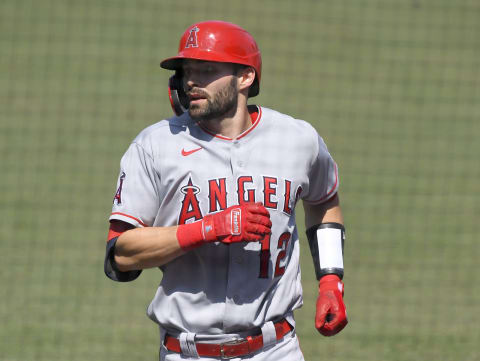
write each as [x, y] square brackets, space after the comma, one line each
[330, 282]
[330, 278]
[190, 235]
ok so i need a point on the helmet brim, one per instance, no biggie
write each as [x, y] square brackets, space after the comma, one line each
[172, 63]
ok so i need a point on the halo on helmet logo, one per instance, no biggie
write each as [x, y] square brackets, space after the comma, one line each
[192, 41]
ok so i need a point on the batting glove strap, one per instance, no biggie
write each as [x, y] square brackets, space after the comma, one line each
[190, 235]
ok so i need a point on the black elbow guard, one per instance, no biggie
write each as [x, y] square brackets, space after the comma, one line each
[110, 268]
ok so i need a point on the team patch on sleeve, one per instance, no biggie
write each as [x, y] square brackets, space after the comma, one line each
[118, 194]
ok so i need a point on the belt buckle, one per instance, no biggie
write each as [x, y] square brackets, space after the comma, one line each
[229, 343]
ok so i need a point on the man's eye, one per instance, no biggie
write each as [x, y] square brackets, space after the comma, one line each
[203, 70]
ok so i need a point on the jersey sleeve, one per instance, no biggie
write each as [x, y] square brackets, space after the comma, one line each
[322, 177]
[136, 200]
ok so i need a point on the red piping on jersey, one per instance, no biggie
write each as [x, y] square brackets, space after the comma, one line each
[113, 233]
[126, 215]
[117, 227]
[255, 115]
[331, 190]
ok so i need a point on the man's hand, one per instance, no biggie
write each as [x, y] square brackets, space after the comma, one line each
[245, 223]
[331, 316]
[249, 222]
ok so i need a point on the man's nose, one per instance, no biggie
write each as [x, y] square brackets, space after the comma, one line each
[190, 82]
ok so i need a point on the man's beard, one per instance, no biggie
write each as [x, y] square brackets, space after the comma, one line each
[222, 103]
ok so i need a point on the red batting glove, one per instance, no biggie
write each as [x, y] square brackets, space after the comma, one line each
[244, 223]
[331, 316]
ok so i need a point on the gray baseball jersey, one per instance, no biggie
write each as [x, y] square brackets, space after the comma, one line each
[176, 172]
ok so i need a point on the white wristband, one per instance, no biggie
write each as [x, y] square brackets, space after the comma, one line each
[326, 242]
[330, 251]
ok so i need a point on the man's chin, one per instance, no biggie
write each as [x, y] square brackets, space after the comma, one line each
[200, 113]
[196, 113]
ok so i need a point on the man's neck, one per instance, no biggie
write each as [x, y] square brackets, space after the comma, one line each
[230, 126]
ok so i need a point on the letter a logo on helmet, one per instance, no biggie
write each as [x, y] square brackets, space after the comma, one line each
[218, 41]
[192, 38]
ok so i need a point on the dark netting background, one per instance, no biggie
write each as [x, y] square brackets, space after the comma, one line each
[392, 86]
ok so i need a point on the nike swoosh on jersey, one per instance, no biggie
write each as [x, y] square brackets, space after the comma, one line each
[188, 152]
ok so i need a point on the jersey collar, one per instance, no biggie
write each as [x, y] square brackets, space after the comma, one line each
[255, 112]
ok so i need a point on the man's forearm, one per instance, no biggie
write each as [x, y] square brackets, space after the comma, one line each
[147, 247]
[329, 211]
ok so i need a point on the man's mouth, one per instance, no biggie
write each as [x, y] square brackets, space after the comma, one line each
[196, 96]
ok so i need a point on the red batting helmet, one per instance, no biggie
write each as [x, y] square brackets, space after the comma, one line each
[218, 41]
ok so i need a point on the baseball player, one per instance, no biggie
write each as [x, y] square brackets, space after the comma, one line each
[209, 197]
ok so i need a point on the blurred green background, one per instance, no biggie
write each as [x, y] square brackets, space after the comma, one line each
[392, 86]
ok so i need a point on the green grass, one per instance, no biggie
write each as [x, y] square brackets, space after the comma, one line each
[394, 89]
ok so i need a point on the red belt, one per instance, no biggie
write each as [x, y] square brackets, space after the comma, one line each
[231, 349]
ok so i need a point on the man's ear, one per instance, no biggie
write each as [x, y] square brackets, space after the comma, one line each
[246, 77]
